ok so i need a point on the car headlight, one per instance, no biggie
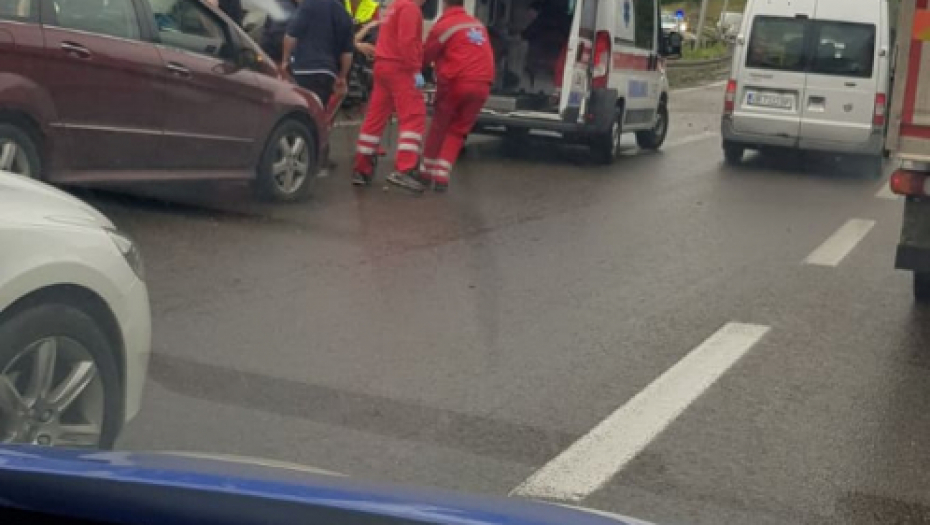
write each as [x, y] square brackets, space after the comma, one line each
[130, 252]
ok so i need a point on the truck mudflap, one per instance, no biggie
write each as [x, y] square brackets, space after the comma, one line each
[914, 249]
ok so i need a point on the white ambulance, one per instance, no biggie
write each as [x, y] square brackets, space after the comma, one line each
[585, 71]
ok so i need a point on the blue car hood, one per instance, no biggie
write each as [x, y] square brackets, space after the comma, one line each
[129, 487]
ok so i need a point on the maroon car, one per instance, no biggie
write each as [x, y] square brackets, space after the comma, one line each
[149, 90]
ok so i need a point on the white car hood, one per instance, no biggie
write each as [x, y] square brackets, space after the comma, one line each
[26, 201]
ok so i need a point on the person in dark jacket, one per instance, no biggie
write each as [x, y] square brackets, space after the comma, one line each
[318, 47]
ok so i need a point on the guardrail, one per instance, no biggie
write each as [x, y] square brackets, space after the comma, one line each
[687, 64]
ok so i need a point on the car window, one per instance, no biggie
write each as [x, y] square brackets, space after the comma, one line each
[185, 24]
[844, 49]
[19, 10]
[777, 43]
[105, 17]
[645, 24]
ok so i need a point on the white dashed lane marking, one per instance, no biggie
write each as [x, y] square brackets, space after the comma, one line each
[597, 456]
[838, 246]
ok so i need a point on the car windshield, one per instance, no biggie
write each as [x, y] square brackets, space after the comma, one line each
[577, 259]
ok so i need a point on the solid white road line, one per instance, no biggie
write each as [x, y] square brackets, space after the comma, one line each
[885, 192]
[707, 135]
[595, 458]
[838, 246]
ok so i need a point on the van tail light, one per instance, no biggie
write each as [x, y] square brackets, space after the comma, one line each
[601, 70]
[878, 117]
[912, 183]
[729, 98]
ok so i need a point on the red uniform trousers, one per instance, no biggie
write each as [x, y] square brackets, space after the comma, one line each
[395, 91]
[457, 106]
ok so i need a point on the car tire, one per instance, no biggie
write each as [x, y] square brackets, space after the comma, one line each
[24, 159]
[287, 171]
[655, 137]
[922, 287]
[733, 153]
[605, 147]
[79, 341]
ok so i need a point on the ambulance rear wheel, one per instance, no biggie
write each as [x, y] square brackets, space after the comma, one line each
[655, 137]
[605, 147]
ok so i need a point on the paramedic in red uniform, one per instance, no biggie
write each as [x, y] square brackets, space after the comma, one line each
[459, 47]
[398, 60]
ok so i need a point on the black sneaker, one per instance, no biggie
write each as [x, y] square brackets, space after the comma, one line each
[408, 180]
[440, 186]
[360, 179]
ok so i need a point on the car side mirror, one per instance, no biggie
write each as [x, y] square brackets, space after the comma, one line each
[664, 46]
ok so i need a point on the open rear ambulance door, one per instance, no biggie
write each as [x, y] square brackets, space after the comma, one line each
[576, 77]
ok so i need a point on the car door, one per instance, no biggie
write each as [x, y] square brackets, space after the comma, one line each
[213, 106]
[842, 81]
[579, 55]
[105, 82]
[640, 65]
[773, 75]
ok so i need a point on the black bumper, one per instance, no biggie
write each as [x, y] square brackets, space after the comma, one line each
[914, 249]
[602, 112]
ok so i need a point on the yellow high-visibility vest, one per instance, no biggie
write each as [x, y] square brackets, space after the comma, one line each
[365, 11]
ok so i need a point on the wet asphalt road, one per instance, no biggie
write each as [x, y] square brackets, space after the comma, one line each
[466, 340]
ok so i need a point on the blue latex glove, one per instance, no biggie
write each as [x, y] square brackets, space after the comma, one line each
[418, 79]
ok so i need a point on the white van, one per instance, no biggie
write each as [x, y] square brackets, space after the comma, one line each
[587, 70]
[810, 75]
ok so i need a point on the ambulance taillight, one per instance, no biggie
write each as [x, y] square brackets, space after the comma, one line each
[601, 70]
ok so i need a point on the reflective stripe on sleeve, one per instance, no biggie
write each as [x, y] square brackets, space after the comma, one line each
[447, 34]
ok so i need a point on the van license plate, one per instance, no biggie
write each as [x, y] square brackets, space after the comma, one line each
[770, 100]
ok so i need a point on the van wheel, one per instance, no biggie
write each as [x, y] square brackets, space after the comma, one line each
[922, 287]
[19, 152]
[606, 146]
[287, 170]
[655, 137]
[733, 153]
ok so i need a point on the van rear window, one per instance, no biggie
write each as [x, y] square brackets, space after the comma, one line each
[844, 49]
[777, 43]
[814, 46]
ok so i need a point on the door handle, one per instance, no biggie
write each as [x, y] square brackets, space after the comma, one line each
[178, 69]
[75, 49]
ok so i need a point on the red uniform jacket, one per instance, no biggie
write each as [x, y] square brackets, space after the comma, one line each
[459, 46]
[400, 39]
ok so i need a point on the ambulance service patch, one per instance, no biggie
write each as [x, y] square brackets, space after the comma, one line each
[475, 36]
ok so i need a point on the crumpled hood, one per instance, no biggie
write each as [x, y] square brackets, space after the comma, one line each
[27, 201]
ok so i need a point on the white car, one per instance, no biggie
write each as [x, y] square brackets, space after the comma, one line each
[75, 326]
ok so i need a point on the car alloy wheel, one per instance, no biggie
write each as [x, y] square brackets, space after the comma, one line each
[292, 163]
[51, 394]
[13, 158]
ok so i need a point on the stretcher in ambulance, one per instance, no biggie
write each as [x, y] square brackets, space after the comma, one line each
[585, 71]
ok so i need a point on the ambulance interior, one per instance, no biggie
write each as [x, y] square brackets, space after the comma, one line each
[529, 38]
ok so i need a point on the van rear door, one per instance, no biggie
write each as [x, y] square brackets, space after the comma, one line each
[843, 74]
[579, 55]
[772, 79]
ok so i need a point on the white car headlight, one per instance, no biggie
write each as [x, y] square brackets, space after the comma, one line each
[130, 252]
